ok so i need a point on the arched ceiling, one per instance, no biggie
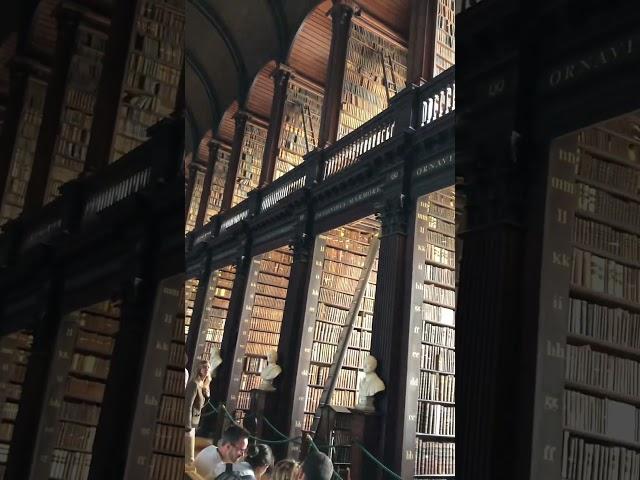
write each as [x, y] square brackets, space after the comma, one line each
[229, 43]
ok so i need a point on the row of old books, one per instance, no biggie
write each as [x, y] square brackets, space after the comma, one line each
[437, 387]
[437, 358]
[606, 239]
[601, 416]
[583, 459]
[66, 465]
[436, 419]
[615, 147]
[607, 208]
[599, 322]
[605, 276]
[435, 458]
[615, 374]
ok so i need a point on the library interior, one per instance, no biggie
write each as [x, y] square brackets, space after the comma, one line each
[286, 193]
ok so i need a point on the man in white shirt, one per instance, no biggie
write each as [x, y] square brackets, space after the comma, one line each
[212, 460]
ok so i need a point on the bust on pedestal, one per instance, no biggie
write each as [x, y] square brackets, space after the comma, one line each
[369, 385]
[270, 372]
[215, 361]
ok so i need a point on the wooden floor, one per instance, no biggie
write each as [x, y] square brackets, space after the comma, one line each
[201, 443]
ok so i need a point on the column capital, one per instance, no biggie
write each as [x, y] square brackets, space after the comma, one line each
[393, 214]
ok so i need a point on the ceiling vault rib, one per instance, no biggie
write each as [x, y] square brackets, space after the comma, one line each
[216, 22]
[214, 104]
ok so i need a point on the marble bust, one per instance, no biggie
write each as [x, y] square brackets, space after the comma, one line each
[270, 372]
[215, 360]
[370, 384]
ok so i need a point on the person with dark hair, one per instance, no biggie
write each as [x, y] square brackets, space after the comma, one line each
[317, 466]
[258, 460]
[211, 461]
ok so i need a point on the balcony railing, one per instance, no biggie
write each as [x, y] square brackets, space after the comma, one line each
[412, 109]
[83, 200]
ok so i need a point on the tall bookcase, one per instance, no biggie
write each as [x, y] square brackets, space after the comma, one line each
[444, 57]
[153, 72]
[74, 131]
[300, 126]
[587, 416]
[24, 149]
[259, 333]
[14, 355]
[74, 392]
[190, 289]
[430, 400]
[338, 261]
[156, 449]
[194, 201]
[217, 184]
[375, 70]
[215, 312]
[250, 165]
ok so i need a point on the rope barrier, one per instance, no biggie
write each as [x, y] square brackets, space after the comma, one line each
[284, 440]
[297, 439]
[377, 462]
[213, 409]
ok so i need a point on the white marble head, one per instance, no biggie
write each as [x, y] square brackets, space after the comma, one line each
[370, 364]
[272, 356]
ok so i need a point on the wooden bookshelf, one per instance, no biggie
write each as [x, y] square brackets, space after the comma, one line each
[217, 183]
[153, 72]
[14, 355]
[194, 201]
[445, 46]
[592, 339]
[215, 312]
[375, 70]
[250, 165]
[260, 325]
[430, 400]
[300, 126]
[76, 119]
[190, 289]
[24, 149]
[80, 369]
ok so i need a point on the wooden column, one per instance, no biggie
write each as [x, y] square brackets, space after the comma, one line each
[234, 160]
[115, 62]
[232, 326]
[291, 332]
[422, 41]
[68, 22]
[281, 82]
[17, 90]
[214, 148]
[341, 15]
[32, 402]
[111, 443]
[390, 329]
[198, 310]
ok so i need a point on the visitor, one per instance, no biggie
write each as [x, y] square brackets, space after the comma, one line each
[285, 470]
[258, 460]
[317, 466]
[211, 461]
